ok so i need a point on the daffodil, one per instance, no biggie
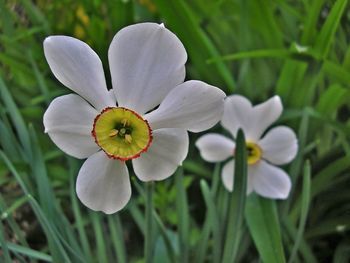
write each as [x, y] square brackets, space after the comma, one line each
[278, 146]
[143, 118]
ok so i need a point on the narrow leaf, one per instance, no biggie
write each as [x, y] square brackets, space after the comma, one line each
[237, 201]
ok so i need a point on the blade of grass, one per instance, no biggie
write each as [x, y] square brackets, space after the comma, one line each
[116, 232]
[140, 222]
[326, 36]
[40, 78]
[58, 252]
[17, 119]
[295, 167]
[310, 28]
[237, 201]
[5, 250]
[262, 219]
[8, 216]
[198, 44]
[263, 53]
[167, 241]
[77, 214]
[183, 216]
[305, 249]
[149, 236]
[202, 247]
[304, 211]
[34, 254]
[46, 198]
[99, 237]
[342, 253]
[213, 220]
[16, 204]
[137, 216]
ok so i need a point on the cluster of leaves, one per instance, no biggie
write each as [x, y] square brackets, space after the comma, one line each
[296, 49]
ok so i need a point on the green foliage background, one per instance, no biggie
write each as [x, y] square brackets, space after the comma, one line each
[297, 49]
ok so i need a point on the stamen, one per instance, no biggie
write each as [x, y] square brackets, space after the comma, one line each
[125, 122]
[128, 138]
[113, 133]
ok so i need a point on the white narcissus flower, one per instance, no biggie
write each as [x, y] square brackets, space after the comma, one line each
[278, 146]
[110, 127]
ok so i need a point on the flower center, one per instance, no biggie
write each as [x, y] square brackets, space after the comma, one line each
[121, 133]
[253, 152]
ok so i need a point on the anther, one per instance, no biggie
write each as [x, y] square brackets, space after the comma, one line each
[125, 122]
[113, 133]
[128, 138]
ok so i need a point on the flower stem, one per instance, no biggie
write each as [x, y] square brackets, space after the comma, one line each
[149, 223]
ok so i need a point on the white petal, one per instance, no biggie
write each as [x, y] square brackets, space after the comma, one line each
[215, 147]
[168, 150]
[103, 184]
[193, 105]
[68, 121]
[79, 68]
[227, 175]
[239, 113]
[146, 61]
[270, 181]
[279, 145]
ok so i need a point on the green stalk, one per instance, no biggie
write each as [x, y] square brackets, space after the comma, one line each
[237, 201]
[149, 223]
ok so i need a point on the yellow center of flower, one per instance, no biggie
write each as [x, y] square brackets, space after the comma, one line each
[253, 152]
[121, 133]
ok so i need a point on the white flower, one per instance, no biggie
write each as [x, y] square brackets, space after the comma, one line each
[109, 127]
[278, 146]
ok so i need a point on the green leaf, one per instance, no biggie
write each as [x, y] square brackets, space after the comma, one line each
[149, 231]
[237, 201]
[183, 216]
[196, 41]
[99, 237]
[305, 249]
[77, 213]
[5, 250]
[332, 99]
[336, 72]
[262, 53]
[263, 223]
[212, 217]
[311, 20]
[33, 254]
[326, 35]
[304, 211]
[116, 232]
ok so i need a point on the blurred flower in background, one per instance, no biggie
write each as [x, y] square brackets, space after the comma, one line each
[278, 146]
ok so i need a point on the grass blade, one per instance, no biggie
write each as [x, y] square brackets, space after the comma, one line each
[116, 232]
[149, 237]
[326, 36]
[183, 216]
[264, 226]
[237, 201]
[29, 252]
[197, 43]
[213, 220]
[4, 249]
[304, 211]
[77, 214]
[99, 236]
